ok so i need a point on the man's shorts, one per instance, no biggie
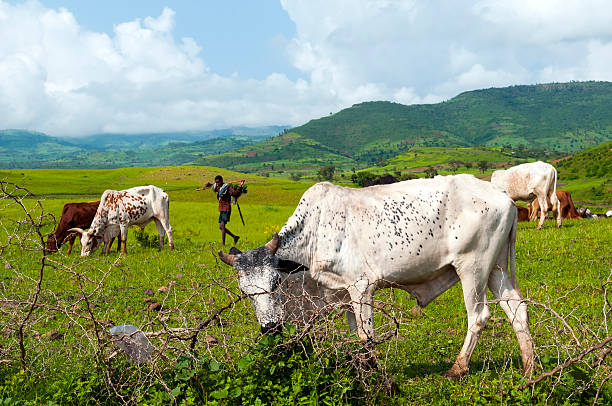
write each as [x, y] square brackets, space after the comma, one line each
[224, 216]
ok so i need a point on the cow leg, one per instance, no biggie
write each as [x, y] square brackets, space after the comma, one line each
[350, 319]
[70, 243]
[533, 209]
[161, 232]
[512, 303]
[362, 301]
[475, 298]
[556, 204]
[123, 238]
[543, 210]
[163, 226]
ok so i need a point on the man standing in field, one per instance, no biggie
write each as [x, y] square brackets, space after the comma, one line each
[224, 195]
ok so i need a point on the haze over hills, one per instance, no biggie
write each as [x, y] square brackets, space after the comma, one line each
[560, 118]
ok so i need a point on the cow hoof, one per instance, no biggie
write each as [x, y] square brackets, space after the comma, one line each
[455, 373]
[392, 388]
[367, 359]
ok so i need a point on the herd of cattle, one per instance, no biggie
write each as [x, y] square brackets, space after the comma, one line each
[342, 244]
[110, 217]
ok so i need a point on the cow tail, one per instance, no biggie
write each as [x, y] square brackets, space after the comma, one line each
[553, 197]
[512, 254]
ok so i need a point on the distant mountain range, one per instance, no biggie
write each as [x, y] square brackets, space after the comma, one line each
[28, 149]
[558, 117]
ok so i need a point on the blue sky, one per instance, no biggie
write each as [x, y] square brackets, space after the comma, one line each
[73, 68]
[239, 36]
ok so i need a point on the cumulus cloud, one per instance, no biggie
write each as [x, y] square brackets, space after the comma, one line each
[59, 78]
[419, 51]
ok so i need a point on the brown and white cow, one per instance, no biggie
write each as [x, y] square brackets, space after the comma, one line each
[566, 205]
[526, 182]
[73, 215]
[120, 209]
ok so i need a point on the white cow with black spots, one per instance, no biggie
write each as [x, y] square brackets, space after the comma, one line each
[533, 180]
[422, 236]
[123, 208]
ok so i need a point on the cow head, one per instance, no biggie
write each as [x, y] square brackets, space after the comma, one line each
[52, 243]
[89, 241]
[259, 279]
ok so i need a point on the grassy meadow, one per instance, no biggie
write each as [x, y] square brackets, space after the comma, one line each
[68, 356]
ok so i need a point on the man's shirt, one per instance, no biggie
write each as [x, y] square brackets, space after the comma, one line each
[225, 195]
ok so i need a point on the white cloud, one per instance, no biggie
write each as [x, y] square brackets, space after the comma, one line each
[59, 78]
[427, 51]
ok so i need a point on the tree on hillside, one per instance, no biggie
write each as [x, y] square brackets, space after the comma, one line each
[468, 165]
[430, 172]
[483, 165]
[454, 165]
[327, 172]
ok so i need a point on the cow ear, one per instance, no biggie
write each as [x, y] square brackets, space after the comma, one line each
[272, 246]
[234, 251]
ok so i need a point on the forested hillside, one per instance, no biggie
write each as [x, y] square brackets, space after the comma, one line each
[559, 118]
[588, 174]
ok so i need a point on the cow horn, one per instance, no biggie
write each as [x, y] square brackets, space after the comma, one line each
[272, 246]
[78, 230]
[228, 259]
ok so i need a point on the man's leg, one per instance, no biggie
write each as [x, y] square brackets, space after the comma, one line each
[226, 230]
[223, 231]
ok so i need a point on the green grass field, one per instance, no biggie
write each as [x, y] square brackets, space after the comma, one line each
[69, 358]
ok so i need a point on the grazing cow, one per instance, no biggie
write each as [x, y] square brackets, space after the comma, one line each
[422, 236]
[526, 182]
[566, 205]
[120, 209]
[73, 215]
[586, 213]
[522, 213]
[302, 299]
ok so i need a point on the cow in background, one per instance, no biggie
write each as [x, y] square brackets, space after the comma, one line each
[523, 213]
[120, 209]
[566, 205]
[526, 182]
[73, 215]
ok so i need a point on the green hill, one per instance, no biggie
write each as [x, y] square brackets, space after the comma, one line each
[19, 148]
[286, 152]
[27, 149]
[559, 118]
[441, 157]
[562, 117]
[539, 121]
[588, 174]
[176, 153]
